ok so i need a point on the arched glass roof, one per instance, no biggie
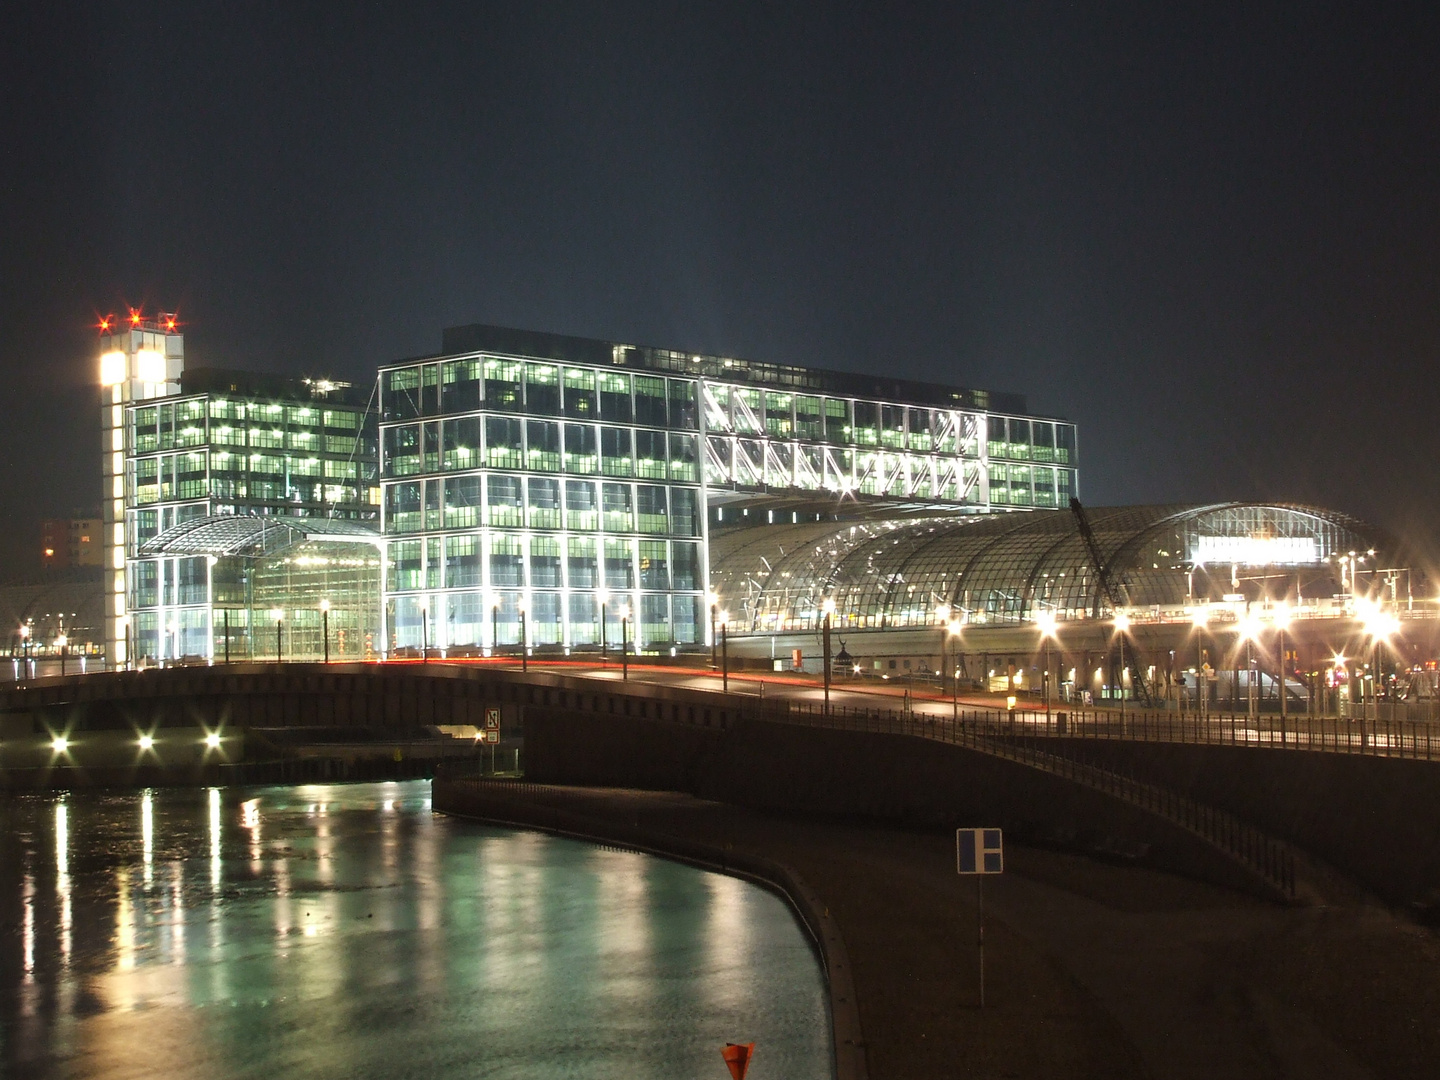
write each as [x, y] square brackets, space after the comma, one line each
[1008, 567]
[233, 534]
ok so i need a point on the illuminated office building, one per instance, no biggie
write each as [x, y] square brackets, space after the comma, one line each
[536, 485]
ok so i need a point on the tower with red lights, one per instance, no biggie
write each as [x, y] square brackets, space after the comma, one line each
[140, 358]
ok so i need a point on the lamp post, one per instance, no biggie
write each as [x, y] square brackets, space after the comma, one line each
[25, 646]
[713, 598]
[60, 643]
[524, 640]
[278, 615]
[624, 641]
[953, 638]
[1282, 622]
[325, 626]
[1201, 621]
[828, 609]
[724, 618]
[424, 633]
[1122, 625]
[1045, 620]
[603, 595]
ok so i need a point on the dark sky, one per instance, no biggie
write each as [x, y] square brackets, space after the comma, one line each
[1208, 233]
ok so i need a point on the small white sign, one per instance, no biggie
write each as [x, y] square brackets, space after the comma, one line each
[979, 851]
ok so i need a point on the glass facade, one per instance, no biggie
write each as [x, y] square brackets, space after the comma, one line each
[191, 458]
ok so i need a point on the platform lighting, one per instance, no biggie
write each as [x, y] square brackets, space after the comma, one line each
[827, 609]
[942, 613]
[212, 740]
[146, 742]
[1045, 621]
[1122, 627]
[59, 744]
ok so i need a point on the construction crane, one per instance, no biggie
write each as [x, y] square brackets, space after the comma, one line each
[1107, 586]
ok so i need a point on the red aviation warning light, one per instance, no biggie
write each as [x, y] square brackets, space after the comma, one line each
[106, 321]
[170, 322]
[737, 1058]
[135, 317]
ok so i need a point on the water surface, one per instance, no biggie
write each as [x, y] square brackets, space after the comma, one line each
[345, 930]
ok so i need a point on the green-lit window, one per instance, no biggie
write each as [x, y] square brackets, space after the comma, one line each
[650, 401]
[341, 470]
[403, 565]
[616, 457]
[920, 429]
[340, 419]
[580, 400]
[544, 503]
[502, 442]
[655, 565]
[618, 509]
[685, 566]
[615, 404]
[1019, 439]
[462, 501]
[1044, 482]
[581, 510]
[1065, 444]
[619, 567]
[502, 384]
[190, 475]
[1042, 441]
[545, 562]
[684, 409]
[684, 457]
[542, 389]
[462, 562]
[304, 466]
[581, 563]
[999, 484]
[779, 422]
[459, 386]
[867, 423]
[402, 450]
[684, 512]
[302, 439]
[807, 418]
[652, 509]
[146, 437]
[504, 499]
[892, 426]
[747, 409]
[433, 562]
[580, 455]
[267, 437]
[997, 446]
[225, 409]
[542, 449]
[167, 426]
[650, 455]
[507, 560]
[462, 443]
[1020, 485]
[400, 394]
[402, 509]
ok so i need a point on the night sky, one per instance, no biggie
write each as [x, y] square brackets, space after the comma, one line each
[1210, 233]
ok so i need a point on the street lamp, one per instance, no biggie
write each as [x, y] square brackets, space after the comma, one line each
[828, 609]
[1201, 621]
[724, 619]
[953, 638]
[1248, 629]
[325, 626]
[713, 599]
[1045, 621]
[495, 626]
[278, 614]
[603, 595]
[1282, 623]
[524, 642]
[624, 641]
[25, 646]
[1122, 627]
[60, 642]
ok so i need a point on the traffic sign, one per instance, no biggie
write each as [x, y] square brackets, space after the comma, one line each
[979, 851]
[492, 719]
[492, 736]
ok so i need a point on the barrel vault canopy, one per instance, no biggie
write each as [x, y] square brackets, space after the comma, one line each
[1005, 568]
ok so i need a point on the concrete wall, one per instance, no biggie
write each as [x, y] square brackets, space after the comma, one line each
[1375, 819]
[895, 779]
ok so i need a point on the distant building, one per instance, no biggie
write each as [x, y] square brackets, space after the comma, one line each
[73, 541]
[197, 448]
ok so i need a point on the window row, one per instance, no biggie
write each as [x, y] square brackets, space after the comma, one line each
[505, 560]
[504, 442]
[186, 423]
[197, 473]
[1030, 440]
[1031, 485]
[539, 502]
[476, 620]
[539, 389]
[763, 463]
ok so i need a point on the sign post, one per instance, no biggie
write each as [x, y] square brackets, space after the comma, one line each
[492, 733]
[979, 852]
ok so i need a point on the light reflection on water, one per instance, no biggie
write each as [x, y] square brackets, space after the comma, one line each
[323, 931]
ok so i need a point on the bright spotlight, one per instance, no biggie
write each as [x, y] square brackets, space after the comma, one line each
[1045, 620]
[146, 742]
[1122, 622]
[213, 740]
[60, 744]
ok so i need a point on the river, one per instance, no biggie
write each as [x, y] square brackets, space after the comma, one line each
[348, 931]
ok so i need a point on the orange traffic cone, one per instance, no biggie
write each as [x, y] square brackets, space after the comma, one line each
[737, 1057]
